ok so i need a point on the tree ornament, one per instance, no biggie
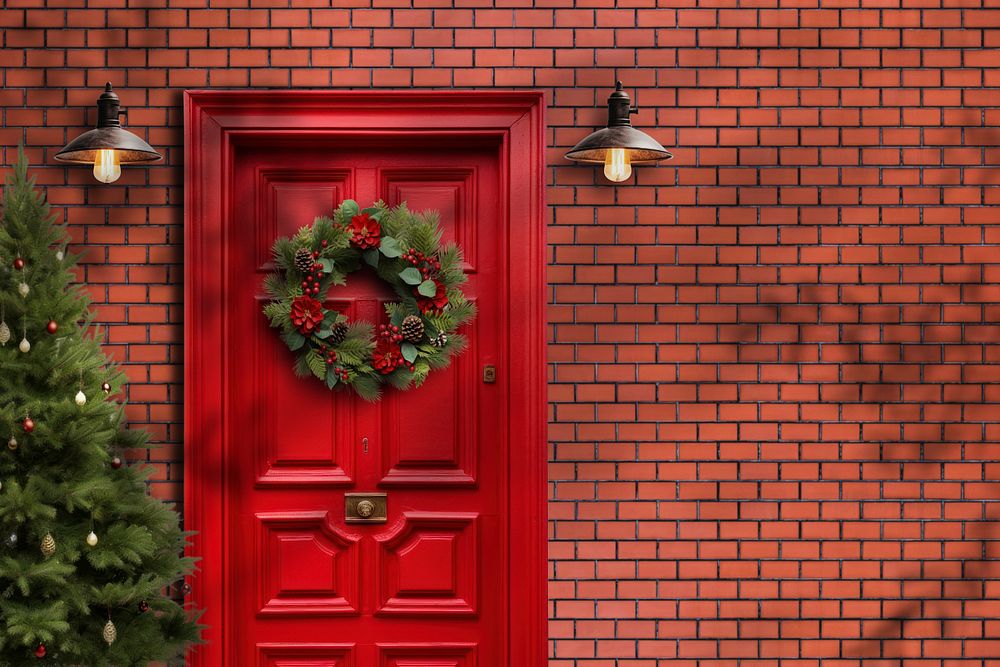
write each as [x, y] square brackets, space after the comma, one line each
[19, 263]
[106, 388]
[12, 443]
[405, 250]
[186, 588]
[23, 289]
[40, 651]
[12, 540]
[80, 398]
[48, 545]
[116, 463]
[440, 340]
[143, 606]
[412, 328]
[304, 260]
[28, 424]
[92, 539]
[1, 485]
[110, 632]
[60, 255]
[52, 326]
[24, 345]
[4, 329]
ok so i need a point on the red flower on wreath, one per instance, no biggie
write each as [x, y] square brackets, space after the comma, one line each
[387, 356]
[365, 231]
[434, 303]
[307, 314]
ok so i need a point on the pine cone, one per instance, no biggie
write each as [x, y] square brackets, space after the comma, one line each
[338, 333]
[304, 260]
[412, 328]
[440, 340]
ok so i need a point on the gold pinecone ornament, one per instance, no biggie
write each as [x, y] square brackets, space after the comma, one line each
[412, 328]
[48, 545]
[110, 632]
[304, 260]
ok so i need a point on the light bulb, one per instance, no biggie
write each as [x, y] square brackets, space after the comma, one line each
[106, 167]
[617, 166]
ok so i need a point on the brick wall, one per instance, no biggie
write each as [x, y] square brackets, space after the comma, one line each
[774, 378]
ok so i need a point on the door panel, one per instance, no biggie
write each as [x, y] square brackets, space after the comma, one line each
[456, 575]
[297, 448]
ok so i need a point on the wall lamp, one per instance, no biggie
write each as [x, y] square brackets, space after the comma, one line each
[108, 146]
[619, 145]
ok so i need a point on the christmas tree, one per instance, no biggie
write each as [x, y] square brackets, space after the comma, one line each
[86, 555]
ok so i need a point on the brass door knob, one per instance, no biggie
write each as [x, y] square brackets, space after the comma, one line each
[365, 509]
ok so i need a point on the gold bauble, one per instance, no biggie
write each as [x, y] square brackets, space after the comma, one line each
[110, 633]
[48, 545]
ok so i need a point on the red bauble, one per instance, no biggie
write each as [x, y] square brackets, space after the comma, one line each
[116, 463]
[365, 231]
[28, 425]
[52, 326]
[40, 651]
[144, 606]
[18, 263]
[307, 314]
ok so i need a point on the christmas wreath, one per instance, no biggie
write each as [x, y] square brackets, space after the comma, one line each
[419, 332]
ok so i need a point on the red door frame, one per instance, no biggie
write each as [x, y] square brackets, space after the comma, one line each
[515, 120]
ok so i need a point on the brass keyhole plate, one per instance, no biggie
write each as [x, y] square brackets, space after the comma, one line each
[365, 508]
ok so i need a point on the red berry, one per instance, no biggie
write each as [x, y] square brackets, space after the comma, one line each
[324, 243]
[315, 254]
[305, 284]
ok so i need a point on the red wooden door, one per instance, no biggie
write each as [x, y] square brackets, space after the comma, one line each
[458, 567]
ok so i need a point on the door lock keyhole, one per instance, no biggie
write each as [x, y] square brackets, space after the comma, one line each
[364, 445]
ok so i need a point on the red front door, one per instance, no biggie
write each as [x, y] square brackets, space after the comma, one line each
[437, 583]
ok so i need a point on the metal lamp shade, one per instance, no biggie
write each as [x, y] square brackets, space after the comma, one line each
[108, 135]
[641, 147]
[130, 148]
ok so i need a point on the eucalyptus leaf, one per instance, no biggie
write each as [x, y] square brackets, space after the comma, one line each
[331, 378]
[390, 247]
[294, 340]
[327, 265]
[371, 258]
[428, 288]
[411, 276]
[409, 351]
[349, 208]
[373, 212]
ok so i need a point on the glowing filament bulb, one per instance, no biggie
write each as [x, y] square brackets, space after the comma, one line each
[106, 167]
[617, 166]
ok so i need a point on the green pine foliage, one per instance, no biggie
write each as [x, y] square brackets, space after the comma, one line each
[58, 479]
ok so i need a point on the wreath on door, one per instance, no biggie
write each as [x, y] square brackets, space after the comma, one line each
[419, 333]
